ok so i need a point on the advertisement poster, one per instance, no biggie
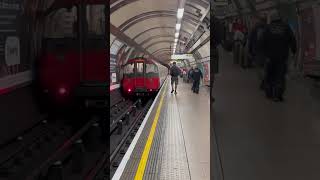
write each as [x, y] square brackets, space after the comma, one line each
[14, 70]
[317, 26]
[308, 38]
[206, 77]
[113, 64]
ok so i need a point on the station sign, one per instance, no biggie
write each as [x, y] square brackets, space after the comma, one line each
[113, 77]
[181, 56]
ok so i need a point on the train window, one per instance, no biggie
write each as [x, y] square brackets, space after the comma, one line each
[61, 23]
[129, 69]
[151, 68]
[139, 69]
[96, 20]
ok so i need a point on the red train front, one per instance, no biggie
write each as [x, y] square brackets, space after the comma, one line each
[142, 77]
[73, 58]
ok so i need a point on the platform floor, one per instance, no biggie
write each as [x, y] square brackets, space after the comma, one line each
[180, 147]
[260, 139]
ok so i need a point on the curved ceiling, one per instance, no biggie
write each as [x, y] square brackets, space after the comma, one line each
[150, 24]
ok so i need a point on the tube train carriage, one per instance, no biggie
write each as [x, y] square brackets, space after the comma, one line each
[72, 64]
[142, 77]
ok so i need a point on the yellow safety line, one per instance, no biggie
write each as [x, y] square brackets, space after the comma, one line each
[147, 147]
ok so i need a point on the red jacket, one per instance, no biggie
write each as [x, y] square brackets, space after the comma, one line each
[238, 27]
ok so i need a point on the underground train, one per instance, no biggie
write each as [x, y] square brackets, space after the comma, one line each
[73, 63]
[143, 77]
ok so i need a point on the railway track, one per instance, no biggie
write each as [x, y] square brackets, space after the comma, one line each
[120, 139]
[29, 155]
[29, 149]
[55, 151]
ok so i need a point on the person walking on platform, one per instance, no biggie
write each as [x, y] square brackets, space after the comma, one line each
[190, 75]
[184, 76]
[278, 39]
[239, 36]
[255, 47]
[175, 73]
[196, 76]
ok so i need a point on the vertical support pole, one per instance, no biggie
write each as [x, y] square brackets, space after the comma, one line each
[78, 156]
[55, 171]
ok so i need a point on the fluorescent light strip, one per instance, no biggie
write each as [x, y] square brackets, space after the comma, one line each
[178, 26]
[180, 13]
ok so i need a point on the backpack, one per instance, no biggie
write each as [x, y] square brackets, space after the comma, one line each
[175, 71]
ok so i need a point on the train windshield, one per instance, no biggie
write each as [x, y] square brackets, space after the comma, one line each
[151, 70]
[129, 70]
[139, 69]
[96, 20]
[61, 23]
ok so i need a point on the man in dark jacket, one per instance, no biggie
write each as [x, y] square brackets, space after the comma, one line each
[196, 76]
[174, 72]
[255, 37]
[190, 74]
[256, 52]
[278, 39]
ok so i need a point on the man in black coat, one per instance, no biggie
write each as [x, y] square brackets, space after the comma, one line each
[255, 37]
[196, 76]
[256, 52]
[277, 40]
[218, 29]
[190, 74]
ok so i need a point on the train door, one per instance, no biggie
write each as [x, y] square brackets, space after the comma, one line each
[95, 55]
[153, 76]
[139, 76]
[93, 60]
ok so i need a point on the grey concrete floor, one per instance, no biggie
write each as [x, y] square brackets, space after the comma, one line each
[260, 139]
[194, 111]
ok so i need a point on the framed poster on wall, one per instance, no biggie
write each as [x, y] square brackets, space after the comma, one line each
[14, 70]
[206, 67]
[308, 36]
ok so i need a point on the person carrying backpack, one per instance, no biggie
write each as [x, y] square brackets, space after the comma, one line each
[174, 72]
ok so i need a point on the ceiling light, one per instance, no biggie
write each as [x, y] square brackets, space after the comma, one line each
[178, 26]
[180, 13]
[176, 35]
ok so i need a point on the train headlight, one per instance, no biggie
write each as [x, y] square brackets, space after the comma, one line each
[129, 90]
[62, 91]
